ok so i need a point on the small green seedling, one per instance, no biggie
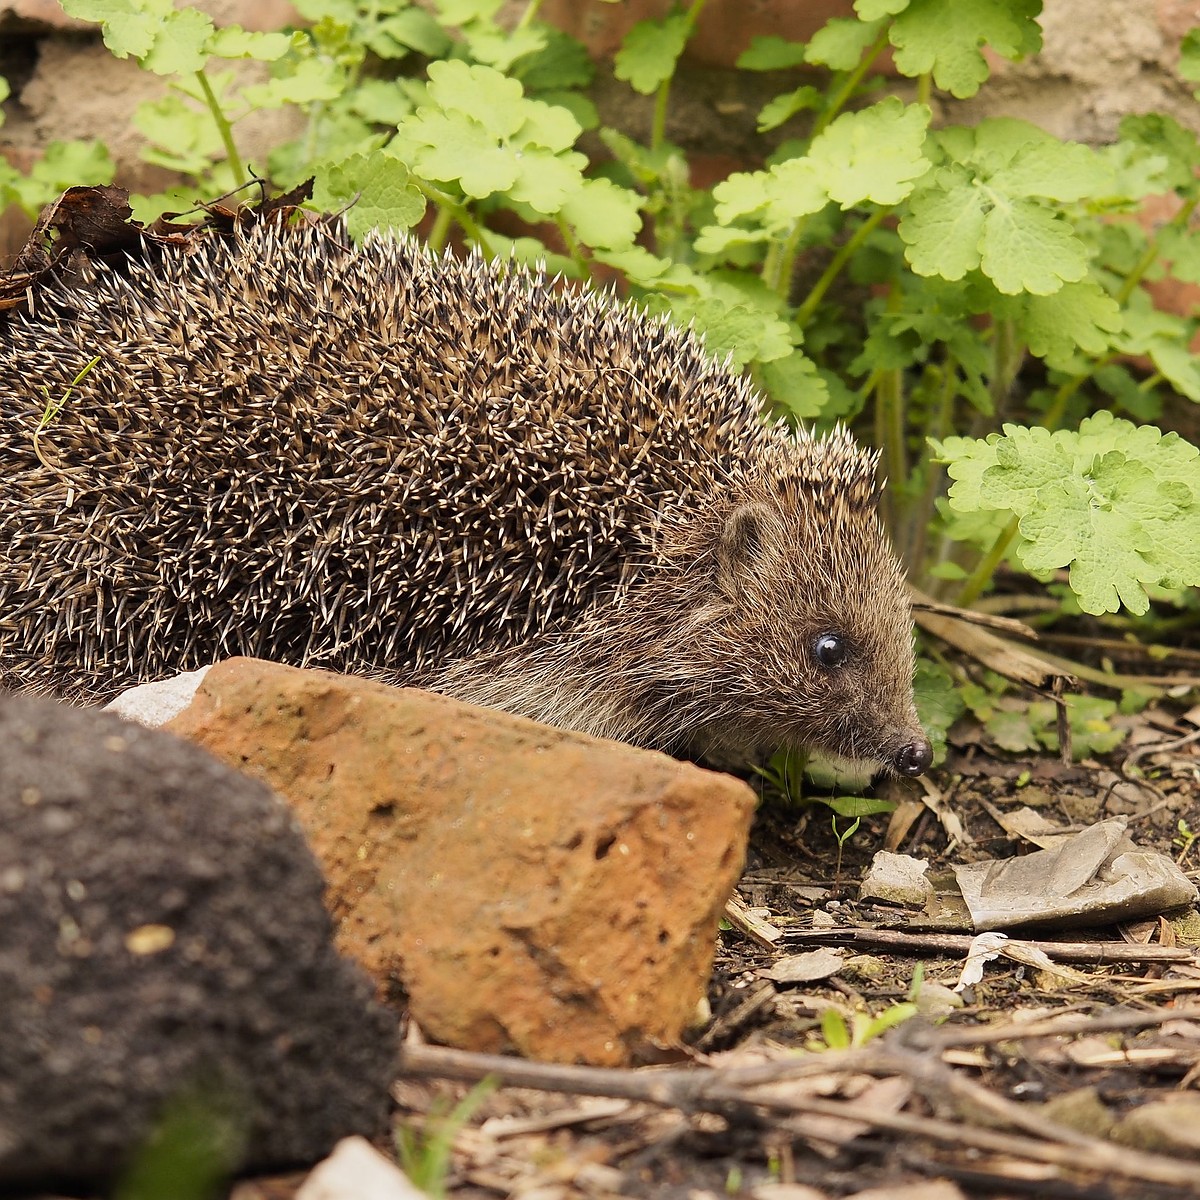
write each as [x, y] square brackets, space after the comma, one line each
[54, 407]
[425, 1153]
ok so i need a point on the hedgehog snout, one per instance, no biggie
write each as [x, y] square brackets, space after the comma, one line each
[914, 757]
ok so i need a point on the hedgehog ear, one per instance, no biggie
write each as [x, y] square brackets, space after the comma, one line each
[740, 546]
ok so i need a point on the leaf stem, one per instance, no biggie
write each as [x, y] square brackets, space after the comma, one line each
[440, 229]
[1150, 254]
[986, 567]
[447, 204]
[223, 128]
[1007, 354]
[530, 12]
[1053, 416]
[922, 512]
[852, 80]
[889, 427]
[836, 263]
[658, 128]
[573, 246]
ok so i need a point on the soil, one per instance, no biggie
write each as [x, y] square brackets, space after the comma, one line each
[1052, 1079]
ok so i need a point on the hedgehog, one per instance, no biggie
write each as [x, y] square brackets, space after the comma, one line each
[444, 472]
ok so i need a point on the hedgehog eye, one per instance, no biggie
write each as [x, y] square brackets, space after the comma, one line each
[830, 649]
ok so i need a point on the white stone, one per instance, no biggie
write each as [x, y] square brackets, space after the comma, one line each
[154, 704]
[357, 1171]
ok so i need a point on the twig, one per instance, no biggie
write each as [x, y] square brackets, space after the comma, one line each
[1160, 748]
[958, 944]
[756, 928]
[717, 1089]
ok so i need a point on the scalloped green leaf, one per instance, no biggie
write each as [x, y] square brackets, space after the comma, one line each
[874, 154]
[945, 38]
[651, 49]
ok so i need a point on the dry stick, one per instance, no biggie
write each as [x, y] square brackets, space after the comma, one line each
[1067, 1026]
[717, 1089]
[1160, 748]
[957, 944]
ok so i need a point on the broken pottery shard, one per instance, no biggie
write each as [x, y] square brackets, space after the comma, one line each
[524, 888]
[1094, 877]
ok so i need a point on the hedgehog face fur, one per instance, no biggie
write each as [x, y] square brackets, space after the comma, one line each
[443, 472]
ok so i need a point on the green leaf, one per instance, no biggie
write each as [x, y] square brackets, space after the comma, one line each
[312, 81]
[796, 386]
[1028, 248]
[1079, 316]
[129, 27]
[873, 10]
[939, 703]
[1117, 503]
[543, 180]
[1164, 338]
[380, 101]
[651, 49]
[179, 137]
[637, 264]
[1189, 56]
[415, 29]
[561, 63]
[742, 331]
[233, 41]
[481, 132]
[496, 102]
[378, 189]
[181, 45]
[775, 112]
[1088, 716]
[987, 209]
[1157, 133]
[1181, 248]
[943, 228]
[771, 54]
[779, 196]
[547, 125]
[63, 164]
[943, 38]
[455, 148]
[501, 48]
[874, 154]
[841, 43]
[603, 215]
[163, 39]
[463, 12]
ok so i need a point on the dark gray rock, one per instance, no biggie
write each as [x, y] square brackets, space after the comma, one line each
[163, 943]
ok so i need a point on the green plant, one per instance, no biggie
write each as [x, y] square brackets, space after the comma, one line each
[838, 1034]
[193, 1148]
[55, 405]
[1185, 841]
[425, 1151]
[980, 290]
[1021, 726]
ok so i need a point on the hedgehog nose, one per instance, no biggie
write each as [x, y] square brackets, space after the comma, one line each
[914, 757]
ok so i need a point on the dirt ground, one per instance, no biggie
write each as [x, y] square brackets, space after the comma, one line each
[1067, 1073]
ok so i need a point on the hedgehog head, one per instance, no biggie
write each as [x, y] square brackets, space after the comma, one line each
[802, 614]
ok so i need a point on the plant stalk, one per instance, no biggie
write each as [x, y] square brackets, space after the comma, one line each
[836, 263]
[224, 129]
[986, 567]
[658, 128]
[530, 12]
[852, 80]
